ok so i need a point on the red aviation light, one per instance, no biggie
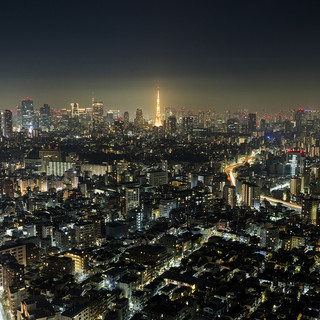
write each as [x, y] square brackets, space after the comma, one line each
[296, 151]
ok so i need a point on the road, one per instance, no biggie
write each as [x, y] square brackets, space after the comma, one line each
[229, 170]
[232, 179]
[287, 204]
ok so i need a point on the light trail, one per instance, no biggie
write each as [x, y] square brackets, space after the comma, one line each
[280, 187]
[229, 170]
[287, 204]
[232, 179]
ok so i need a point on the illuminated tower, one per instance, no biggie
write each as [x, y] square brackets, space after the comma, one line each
[158, 115]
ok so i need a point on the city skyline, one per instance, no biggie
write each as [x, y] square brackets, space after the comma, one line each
[159, 154]
[216, 55]
[152, 109]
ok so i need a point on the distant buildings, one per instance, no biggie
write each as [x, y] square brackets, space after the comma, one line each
[6, 123]
[25, 114]
[102, 215]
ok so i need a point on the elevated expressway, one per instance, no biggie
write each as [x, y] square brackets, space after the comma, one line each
[232, 179]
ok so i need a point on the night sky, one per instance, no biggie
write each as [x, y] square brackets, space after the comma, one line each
[260, 55]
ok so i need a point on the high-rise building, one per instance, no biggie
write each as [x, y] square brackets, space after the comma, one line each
[169, 112]
[288, 126]
[118, 126]
[84, 234]
[19, 117]
[269, 237]
[11, 272]
[97, 113]
[187, 125]
[45, 117]
[295, 186]
[233, 126]
[139, 121]
[310, 209]
[16, 250]
[250, 195]
[132, 198]
[229, 195]
[165, 207]
[263, 125]
[126, 121]
[27, 114]
[252, 122]
[74, 109]
[6, 123]
[172, 124]
[299, 118]
[158, 114]
[201, 119]
[109, 117]
[296, 160]
[157, 178]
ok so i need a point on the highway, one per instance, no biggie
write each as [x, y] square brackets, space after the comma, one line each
[232, 179]
[287, 204]
[229, 170]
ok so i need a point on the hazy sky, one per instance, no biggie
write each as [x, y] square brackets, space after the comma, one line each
[253, 54]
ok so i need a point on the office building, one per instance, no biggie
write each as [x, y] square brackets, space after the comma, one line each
[165, 207]
[250, 195]
[252, 122]
[310, 209]
[296, 160]
[27, 114]
[6, 123]
[139, 121]
[45, 117]
[126, 121]
[132, 198]
[97, 113]
[74, 109]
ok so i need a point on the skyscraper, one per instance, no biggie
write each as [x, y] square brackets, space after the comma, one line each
[229, 195]
[187, 125]
[158, 115]
[233, 126]
[252, 122]
[299, 118]
[6, 123]
[132, 198]
[310, 209]
[97, 113]
[27, 114]
[45, 117]
[250, 195]
[139, 121]
[172, 124]
[296, 160]
[126, 120]
[74, 110]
